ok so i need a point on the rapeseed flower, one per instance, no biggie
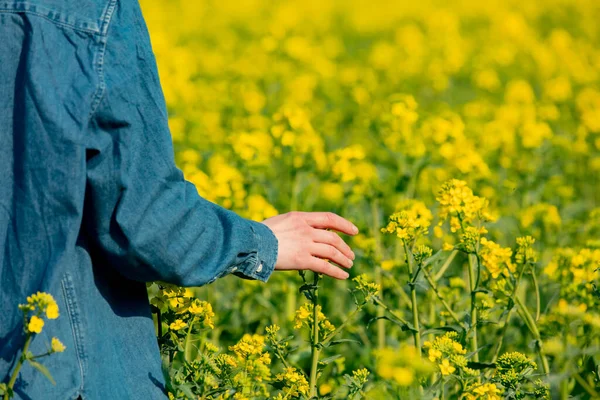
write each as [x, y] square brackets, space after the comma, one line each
[35, 324]
[57, 346]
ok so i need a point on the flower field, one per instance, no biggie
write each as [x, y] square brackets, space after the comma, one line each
[462, 138]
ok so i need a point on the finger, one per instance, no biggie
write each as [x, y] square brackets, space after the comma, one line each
[329, 220]
[333, 239]
[323, 267]
[331, 253]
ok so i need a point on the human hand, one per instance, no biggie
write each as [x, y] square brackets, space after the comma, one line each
[304, 242]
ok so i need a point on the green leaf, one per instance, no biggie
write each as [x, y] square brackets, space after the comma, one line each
[329, 359]
[480, 365]
[339, 341]
[187, 391]
[43, 370]
[402, 325]
[435, 258]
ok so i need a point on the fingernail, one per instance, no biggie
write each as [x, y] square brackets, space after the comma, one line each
[354, 228]
[353, 256]
[346, 275]
[351, 263]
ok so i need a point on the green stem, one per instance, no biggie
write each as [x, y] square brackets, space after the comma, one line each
[386, 308]
[15, 374]
[472, 283]
[337, 330]
[508, 314]
[564, 389]
[564, 382]
[378, 277]
[413, 299]
[315, 348]
[588, 388]
[445, 266]
[290, 299]
[402, 296]
[538, 305]
[535, 332]
[159, 322]
[187, 346]
[441, 298]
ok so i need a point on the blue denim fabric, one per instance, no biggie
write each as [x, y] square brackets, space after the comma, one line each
[91, 203]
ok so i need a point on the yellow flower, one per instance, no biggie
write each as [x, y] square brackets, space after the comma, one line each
[302, 314]
[35, 324]
[496, 259]
[446, 368]
[403, 376]
[387, 265]
[57, 345]
[295, 383]
[52, 311]
[334, 192]
[434, 354]
[325, 388]
[177, 325]
[203, 310]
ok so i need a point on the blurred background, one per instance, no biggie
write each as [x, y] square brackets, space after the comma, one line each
[357, 107]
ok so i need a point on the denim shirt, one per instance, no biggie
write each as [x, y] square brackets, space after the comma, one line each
[91, 203]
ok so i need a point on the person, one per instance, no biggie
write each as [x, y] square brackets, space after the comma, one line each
[92, 205]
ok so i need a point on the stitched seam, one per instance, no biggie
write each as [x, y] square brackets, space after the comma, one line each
[43, 12]
[69, 295]
[108, 12]
[58, 23]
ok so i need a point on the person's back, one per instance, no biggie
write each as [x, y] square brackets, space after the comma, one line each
[92, 205]
[56, 122]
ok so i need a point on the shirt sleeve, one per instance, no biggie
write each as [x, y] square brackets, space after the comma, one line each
[141, 213]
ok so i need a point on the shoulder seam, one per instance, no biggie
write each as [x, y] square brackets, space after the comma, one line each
[68, 21]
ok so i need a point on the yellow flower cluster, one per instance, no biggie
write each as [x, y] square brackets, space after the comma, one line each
[458, 203]
[448, 354]
[172, 297]
[405, 226]
[404, 365]
[470, 239]
[178, 324]
[258, 208]
[349, 164]
[361, 375]
[57, 346]
[253, 362]
[579, 272]
[422, 253]
[43, 302]
[294, 383]
[486, 391]
[368, 289]
[496, 259]
[250, 345]
[203, 311]
[304, 317]
[546, 214]
[39, 303]
[525, 252]
[513, 369]
[184, 305]
[588, 105]
[293, 131]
